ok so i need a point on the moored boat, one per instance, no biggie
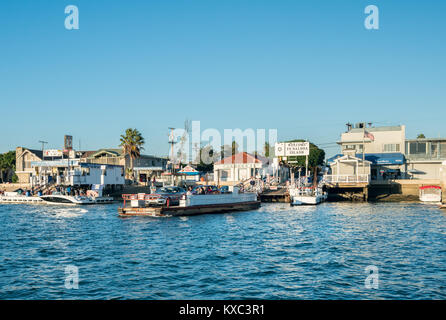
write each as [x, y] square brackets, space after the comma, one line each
[15, 197]
[306, 196]
[430, 193]
[190, 204]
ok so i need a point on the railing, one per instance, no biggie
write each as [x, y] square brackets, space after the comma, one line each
[346, 178]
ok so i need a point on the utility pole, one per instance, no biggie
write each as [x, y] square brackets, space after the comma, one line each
[172, 161]
[43, 147]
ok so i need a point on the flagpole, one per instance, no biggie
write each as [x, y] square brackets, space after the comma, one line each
[363, 149]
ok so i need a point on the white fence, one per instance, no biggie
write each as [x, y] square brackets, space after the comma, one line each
[346, 178]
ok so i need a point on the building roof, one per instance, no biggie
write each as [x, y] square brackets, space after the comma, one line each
[377, 129]
[189, 170]
[38, 153]
[116, 153]
[113, 152]
[345, 157]
[427, 140]
[243, 157]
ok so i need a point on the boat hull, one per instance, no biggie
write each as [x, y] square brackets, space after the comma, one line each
[189, 210]
[20, 199]
[73, 200]
[306, 200]
[430, 198]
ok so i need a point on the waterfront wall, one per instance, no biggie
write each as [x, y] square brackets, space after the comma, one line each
[399, 190]
[9, 187]
[443, 180]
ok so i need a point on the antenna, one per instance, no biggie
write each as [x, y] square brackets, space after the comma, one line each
[43, 147]
[43, 144]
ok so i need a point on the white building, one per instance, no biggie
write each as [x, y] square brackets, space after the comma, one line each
[240, 167]
[382, 147]
[72, 172]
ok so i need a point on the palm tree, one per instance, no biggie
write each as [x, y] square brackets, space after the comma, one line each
[131, 143]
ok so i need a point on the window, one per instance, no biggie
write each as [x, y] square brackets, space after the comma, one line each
[417, 148]
[392, 147]
[434, 150]
[442, 150]
[353, 147]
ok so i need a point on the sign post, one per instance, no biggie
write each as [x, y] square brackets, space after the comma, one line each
[293, 149]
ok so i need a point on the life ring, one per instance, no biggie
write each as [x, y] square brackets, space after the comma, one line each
[167, 202]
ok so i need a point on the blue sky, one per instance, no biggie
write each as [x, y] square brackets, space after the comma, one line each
[303, 67]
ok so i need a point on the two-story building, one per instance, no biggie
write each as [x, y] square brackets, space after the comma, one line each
[73, 172]
[381, 149]
[424, 157]
[145, 168]
[24, 158]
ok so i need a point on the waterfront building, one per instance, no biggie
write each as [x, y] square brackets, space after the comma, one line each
[74, 172]
[382, 147]
[424, 157]
[145, 168]
[349, 168]
[24, 158]
[240, 167]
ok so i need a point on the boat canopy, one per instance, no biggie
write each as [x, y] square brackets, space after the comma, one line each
[429, 187]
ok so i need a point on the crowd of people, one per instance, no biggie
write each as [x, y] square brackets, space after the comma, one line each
[203, 190]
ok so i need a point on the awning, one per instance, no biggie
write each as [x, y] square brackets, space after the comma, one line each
[377, 158]
[385, 158]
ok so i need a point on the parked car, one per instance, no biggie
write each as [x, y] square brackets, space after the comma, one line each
[172, 193]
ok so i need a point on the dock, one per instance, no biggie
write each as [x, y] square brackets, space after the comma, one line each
[278, 195]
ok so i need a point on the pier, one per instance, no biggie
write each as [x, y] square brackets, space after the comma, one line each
[277, 195]
[347, 187]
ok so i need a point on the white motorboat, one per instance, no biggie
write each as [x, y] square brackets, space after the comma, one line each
[430, 194]
[306, 196]
[15, 197]
[58, 198]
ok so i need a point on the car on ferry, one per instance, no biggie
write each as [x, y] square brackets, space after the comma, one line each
[162, 195]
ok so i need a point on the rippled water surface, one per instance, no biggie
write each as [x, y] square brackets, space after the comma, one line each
[276, 252]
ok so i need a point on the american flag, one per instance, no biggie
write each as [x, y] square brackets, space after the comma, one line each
[369, 135]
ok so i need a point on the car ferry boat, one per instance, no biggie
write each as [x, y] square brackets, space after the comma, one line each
[430, 194]
[189, 204]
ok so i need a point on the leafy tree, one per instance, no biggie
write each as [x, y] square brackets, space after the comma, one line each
[132, 143]
[421, 136]
[234, 147]
[7, 164]
[206, 159]
[315, 158]
[227, 151]
[267, 149]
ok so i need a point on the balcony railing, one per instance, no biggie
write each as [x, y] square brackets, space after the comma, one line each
[346, 178]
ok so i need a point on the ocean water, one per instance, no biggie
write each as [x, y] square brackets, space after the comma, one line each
[276, 252]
